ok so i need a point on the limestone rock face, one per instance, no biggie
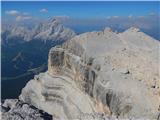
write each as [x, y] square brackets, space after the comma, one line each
[100, 72]
[57, 95]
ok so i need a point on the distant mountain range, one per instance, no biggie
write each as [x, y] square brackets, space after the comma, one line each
[25, 50]
[52, 30]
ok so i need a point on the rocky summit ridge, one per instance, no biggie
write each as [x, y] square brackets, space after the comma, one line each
[100, 75]
[51, 30]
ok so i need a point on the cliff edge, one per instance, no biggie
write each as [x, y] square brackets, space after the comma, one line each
[116, 74]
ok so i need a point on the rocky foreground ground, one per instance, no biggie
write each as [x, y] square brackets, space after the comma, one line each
[97, 75]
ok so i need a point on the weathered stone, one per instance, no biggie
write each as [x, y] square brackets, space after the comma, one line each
[17, 110]
[95, 67]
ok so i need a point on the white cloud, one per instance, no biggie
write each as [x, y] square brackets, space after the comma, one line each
[21, 18]
[44, 10]
[12, 12]
[18, 16]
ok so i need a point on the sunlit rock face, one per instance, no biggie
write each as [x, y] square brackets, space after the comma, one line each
[56, 92]
[100, 72]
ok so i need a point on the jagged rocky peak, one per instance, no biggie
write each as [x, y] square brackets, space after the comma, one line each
[52, 23]
[54, 20]
[133, 29]
[107, 29]
[99, 73]
[16, 32]
[51, 30]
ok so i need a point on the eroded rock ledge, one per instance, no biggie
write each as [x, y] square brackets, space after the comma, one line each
[99, 72]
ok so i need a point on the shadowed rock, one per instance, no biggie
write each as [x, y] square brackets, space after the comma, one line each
[17, 110]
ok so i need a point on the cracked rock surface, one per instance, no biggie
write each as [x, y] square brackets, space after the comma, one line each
[13, 109]
[100, 72]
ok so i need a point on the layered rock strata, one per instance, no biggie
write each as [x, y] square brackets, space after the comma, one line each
[100, 72]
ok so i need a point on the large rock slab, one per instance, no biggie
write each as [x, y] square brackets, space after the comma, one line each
[112, 73]
[58, 95]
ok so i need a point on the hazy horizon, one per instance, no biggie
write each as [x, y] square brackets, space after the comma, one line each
[86, 16]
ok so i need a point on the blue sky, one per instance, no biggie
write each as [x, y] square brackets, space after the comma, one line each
[80, 9]
[87, 16]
